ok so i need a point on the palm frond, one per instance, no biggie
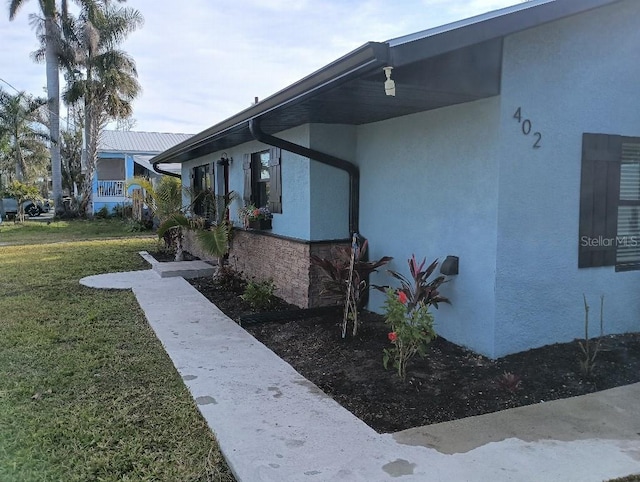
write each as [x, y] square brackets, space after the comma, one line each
[215, 241]
[174, 221]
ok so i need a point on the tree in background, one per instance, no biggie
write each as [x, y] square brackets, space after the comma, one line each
[23, 130]
[99, 75]
[70, 152]
[49, 31]
[22, 192]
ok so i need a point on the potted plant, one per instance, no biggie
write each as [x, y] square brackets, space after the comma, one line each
[256, 218]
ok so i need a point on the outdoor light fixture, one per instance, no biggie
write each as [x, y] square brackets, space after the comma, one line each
[225, 159]
[449, 266]
[389, 85]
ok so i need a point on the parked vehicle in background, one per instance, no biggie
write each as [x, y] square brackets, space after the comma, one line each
[8, 208]
[32, 208]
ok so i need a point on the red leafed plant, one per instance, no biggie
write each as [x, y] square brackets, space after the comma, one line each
[336, 269]
[419, 288]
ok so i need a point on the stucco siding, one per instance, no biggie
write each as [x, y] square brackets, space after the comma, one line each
[330, 186]
[294, 221]
[569, 77]
[429, 187]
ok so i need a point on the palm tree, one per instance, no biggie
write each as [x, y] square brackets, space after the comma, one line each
[50, 34]
[101, 76]
[20, 118]
[49, 11]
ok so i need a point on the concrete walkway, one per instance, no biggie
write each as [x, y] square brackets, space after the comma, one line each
[274, 425]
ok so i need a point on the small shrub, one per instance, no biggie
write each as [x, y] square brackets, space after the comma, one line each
[510, 382]
[229, 279]
[259, 294]
[411, 330]
[588, 347]
[337, 269]
[102, 213]
[134, 226]
[122, 211]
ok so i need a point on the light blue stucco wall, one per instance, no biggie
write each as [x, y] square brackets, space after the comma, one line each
[466, 181]
[330, 185]
[429, 187]
[294, 221]
[569, 77]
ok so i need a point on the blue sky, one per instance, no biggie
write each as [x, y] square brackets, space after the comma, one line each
[200, 62]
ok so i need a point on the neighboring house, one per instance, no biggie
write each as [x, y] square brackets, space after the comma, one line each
[123, 155]
[512, 142]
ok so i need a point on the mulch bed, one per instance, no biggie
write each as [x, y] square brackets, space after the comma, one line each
[449, 383]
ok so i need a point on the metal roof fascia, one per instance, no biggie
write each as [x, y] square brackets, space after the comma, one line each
[500, 23]
[368, 55]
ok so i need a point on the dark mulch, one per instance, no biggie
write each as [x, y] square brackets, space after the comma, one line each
[449, 383]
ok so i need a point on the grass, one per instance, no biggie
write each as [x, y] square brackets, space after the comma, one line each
[38, 231]
[86, 389]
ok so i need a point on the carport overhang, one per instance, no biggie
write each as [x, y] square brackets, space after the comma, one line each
[444, 66]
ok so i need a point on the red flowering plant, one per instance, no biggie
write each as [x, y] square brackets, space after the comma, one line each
[336, 269]
[411, 330]
[418, 288]
[252, 213]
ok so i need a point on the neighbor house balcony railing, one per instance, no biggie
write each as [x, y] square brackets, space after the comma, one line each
[111, 188]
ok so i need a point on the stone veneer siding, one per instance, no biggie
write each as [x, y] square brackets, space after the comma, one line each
[261, 255]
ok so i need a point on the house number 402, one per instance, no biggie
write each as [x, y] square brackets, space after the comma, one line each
[525, 125]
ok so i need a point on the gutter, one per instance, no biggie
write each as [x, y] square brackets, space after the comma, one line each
[162, 171]
[365, 58]
[329, 160]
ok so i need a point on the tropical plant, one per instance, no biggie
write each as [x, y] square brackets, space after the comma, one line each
[336, 270]
[163, 198]
[164, 201]
[418, 288]
[259, 294]
[98, 73]
[22, 192]
[22, 125]
[214, 237]
[411, 330]
[70, 152]
[49, 32]
[347, 278]
[214, 240]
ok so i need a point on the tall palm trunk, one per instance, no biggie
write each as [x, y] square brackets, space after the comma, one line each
[91, 133]
[19, 157]
[53, 103]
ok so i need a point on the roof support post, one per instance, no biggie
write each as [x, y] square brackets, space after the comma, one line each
[350, 168]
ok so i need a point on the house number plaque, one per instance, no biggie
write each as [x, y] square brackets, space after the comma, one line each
[527, 127]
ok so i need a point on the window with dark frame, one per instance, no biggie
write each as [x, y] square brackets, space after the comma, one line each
[610, 202]
[263, 179]
[202, 186]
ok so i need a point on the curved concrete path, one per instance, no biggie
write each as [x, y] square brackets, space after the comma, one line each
[274, 425]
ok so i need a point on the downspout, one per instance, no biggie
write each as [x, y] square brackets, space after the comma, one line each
[329, 160]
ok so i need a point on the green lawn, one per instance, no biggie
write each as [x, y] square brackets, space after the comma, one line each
[38, 231]
[86, 390]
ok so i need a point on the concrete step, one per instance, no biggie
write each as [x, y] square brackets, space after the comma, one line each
[184, 269]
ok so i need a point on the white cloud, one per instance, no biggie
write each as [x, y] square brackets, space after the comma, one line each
[204, 61]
